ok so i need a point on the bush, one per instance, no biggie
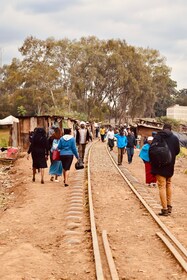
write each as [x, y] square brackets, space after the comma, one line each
[183, 152]
[4, 136]
[3, 142]
[175, 124]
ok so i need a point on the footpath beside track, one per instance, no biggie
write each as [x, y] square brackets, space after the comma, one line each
[46, 231]
[103, 179]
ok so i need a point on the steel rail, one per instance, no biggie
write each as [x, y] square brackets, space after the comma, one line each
[155, 217]
[98, 264]
[172, 249]
[111, 264]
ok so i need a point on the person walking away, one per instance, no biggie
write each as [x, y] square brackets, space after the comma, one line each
[102, 133]
[110, 137]
[121, 144]
[31, 134]
[150, 179]
[97, 132]
[131, 144]
[55, 169]
[39, 152]
[89, 127]
[82, 138]
[67, 147]
[165, 171]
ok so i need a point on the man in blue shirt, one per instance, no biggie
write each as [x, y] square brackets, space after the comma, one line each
[121, 144]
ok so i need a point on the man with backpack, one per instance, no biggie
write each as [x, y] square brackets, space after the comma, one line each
[162, 152]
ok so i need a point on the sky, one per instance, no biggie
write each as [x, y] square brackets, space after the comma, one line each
[160, 25]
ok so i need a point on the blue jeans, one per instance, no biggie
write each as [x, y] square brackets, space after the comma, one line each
[130, 153]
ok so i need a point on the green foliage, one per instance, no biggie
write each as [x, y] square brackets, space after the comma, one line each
[4, 137]
[174, 123]
[183, 152]
[21, 111]
[5, 105]
[3, 142]
[181, 97]
[86, 79]
[77, 115]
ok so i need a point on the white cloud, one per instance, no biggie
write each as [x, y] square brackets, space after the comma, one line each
[160, 24]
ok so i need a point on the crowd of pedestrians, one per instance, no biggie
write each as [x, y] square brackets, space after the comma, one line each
[66, 142]
[71, 144]
[158, 170]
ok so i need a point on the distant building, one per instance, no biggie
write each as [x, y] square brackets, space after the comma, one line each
[177, 112]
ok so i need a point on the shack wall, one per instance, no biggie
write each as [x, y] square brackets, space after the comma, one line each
[28, 124]
[144, 132]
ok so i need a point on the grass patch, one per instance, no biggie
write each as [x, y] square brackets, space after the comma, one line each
[4, 137]
[183, 152]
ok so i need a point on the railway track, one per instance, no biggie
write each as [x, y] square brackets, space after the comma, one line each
[123, 241]
[132, 242]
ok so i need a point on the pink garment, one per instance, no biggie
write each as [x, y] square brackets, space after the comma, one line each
[12, 152]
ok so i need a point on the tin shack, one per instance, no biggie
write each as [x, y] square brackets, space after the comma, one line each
[29, 123]
[145, 128]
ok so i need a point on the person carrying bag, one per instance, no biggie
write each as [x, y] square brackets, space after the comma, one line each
[79, 164]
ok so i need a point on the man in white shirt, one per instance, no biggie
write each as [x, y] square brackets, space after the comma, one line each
[82, 138]
[110, 137]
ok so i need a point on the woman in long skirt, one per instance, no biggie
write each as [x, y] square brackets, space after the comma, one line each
[150, 179]
[39, 152]
[55, 169]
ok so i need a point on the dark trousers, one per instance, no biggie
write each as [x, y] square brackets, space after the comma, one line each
[130, 153]
[81, 150]
[102, 137]
[111, 143]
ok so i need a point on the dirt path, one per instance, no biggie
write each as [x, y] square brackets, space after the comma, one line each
[33, 226]
[137, 252]
[177, 222]
[33, 232]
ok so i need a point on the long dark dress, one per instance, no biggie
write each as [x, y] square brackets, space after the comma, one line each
[39, 149]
